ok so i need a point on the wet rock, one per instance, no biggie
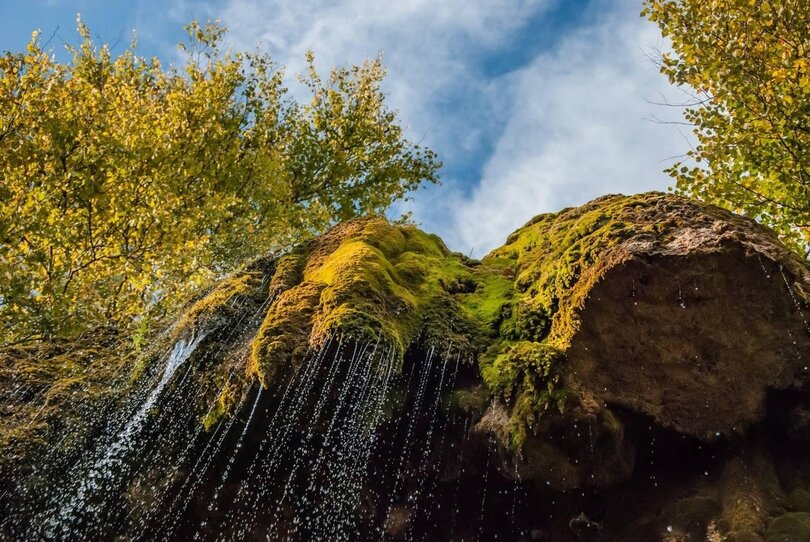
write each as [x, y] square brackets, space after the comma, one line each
[619, 367]
[790, 527]
[396, 525]
[571, 450]
[694, 326]
[584, 528]
[749, 489]
[690, 518]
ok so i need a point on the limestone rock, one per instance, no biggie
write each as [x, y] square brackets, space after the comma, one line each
[680, 311]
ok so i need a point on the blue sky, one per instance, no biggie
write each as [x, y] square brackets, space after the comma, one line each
[532, 105]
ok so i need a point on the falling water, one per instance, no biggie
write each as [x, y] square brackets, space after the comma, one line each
[795, 302]
[434, 468]
[445, 430]
[327, 453]
[238, 446]
[484, 494]
[105, 470]
[794, 299]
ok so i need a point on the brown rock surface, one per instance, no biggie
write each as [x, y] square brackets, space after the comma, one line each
[693, 327]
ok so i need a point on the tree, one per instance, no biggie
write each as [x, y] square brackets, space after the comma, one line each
[127, 185]
[748, 63]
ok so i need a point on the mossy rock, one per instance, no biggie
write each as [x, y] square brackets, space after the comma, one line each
[471, 400]
[618, 283]
[222, 305]
[800, 500]
[603, 293]
[525, 375]
[790, 527]
[370, 281]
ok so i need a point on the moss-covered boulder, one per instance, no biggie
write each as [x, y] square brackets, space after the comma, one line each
[584, 307]
[644, 355]
[370, 281]
[790, 527]
[620, 283]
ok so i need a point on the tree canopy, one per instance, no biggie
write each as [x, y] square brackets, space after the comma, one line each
[748, 63]
[127, 184]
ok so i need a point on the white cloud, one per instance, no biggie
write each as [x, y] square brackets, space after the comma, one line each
[578, 128]
[426, 45]
[566, 127]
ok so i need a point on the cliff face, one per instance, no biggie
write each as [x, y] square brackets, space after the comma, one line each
[632, 369]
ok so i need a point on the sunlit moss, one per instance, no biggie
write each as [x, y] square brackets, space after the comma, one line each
[557, 260]
[219, 304]
[551, 264]
[369, 280]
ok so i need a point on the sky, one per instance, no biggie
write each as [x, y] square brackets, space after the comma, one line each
[532, 105]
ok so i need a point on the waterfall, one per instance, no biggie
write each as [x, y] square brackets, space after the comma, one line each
[107, 464]
[349, 437]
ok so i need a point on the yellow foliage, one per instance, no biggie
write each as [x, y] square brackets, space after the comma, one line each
[748, 62]
[126, 185]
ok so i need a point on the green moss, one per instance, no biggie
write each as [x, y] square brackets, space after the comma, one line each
[525, 375]
[368, 280]
[491, 291]
[557, 260]
[222, 302]
[558, 257]
[472, 400]
[289, 271]
[284, 335]
[224, 404]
